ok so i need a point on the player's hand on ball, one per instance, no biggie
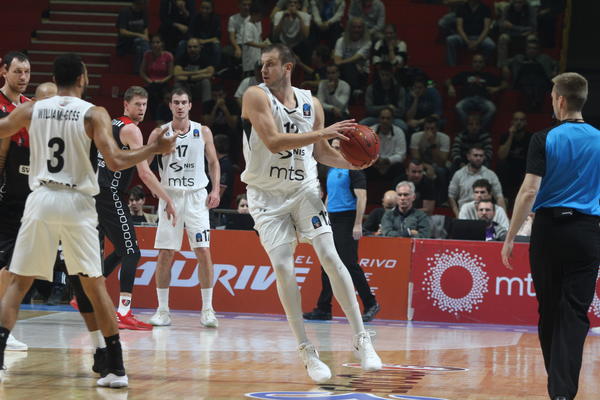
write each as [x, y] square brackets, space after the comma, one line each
[336, 131]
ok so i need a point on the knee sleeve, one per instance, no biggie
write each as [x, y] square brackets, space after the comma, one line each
[129, 265]
[83, 302]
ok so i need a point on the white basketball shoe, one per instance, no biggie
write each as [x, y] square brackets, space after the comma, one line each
[12, 344]
[161, 318]
[317, 369]
[208, 318]
[364, 351]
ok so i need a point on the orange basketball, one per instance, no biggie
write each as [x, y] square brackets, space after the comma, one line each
[363, 146]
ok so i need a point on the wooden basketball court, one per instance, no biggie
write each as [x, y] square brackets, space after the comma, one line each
[253, 356]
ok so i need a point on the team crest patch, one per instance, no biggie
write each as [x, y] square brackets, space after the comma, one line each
[316, 222]
[306, 109]
[199, 237]
[196, 133]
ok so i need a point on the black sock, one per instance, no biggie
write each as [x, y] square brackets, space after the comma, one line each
[115, 355]
[3, 339]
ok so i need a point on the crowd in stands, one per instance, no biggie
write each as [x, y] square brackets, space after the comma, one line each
[351, 57]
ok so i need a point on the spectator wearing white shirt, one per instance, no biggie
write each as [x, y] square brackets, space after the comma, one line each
[234, 28]
[292, 28]
[251, 40]
[334, 95]
[351, 54]
[392, 146]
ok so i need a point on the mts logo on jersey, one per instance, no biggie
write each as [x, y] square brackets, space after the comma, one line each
[287, 174]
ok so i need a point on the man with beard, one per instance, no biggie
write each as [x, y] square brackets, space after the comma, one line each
[486, 210]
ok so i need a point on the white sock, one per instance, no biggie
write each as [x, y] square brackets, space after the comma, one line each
[124, 304]
[206, 298]
[341, 282]
[97, 339]
[163, 299]
[287, 288]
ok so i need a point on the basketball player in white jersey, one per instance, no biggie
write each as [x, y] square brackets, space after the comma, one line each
[184, 179]
[283, 135]
[62, 130]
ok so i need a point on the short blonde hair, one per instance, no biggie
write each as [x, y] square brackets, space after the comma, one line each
[573, 87]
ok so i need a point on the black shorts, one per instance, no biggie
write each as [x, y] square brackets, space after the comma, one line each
[115, 222]
[11, 212]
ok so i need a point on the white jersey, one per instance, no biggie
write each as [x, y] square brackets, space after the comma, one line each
[183, 169]
[287, 170]
[59, 145]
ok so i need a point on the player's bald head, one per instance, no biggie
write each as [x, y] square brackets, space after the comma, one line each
[45, 90]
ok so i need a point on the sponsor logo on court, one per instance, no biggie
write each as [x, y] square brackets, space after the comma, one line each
[437, 292]
[332, 396]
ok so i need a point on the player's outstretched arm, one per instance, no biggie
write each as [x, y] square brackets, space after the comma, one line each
[19, 118]
[256, 109]
[132, 136]
[323, 152]
[98, 127]
[214, 168]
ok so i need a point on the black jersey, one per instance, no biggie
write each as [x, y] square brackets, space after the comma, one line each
[16, 169]
[117, 181]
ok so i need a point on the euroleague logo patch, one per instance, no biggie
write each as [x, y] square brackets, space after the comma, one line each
[455, 262]
[595, 306]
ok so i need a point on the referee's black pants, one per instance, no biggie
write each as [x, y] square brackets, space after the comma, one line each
[347, 248]
[564, 255]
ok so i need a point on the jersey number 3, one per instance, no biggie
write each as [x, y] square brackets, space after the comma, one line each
[57, 162]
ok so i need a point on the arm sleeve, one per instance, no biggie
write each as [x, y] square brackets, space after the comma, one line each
[536, 155]
[358, 179]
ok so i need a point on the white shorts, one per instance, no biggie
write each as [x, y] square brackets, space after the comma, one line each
[192, 215]
[52, 214]
[282, 218]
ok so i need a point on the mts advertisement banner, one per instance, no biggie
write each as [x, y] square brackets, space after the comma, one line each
[244, 280]
[456, 281]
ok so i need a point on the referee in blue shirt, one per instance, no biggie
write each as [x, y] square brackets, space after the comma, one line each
[562, 186]
[346, 201]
